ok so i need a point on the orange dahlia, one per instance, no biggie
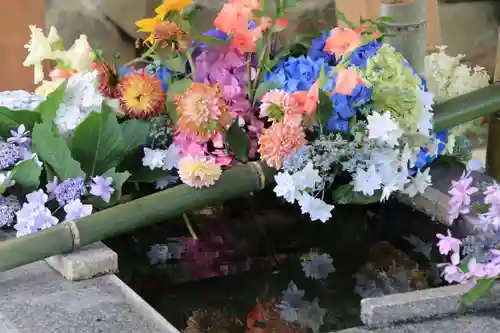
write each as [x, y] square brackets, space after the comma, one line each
[278, 141]
[108, 79]
[202, 111]
[141, 95]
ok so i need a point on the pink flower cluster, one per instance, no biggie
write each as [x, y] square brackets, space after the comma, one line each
[457, 270]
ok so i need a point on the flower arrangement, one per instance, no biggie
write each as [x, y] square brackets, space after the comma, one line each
[341, 116]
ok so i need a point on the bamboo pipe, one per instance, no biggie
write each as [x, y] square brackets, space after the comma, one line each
[492, 148]
[68, 236]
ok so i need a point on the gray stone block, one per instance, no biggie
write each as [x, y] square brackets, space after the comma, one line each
[422, 304]
[36, 299]
[88, 262]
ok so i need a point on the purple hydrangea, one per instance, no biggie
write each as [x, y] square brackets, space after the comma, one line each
[10, 154]
[102, 187]
[76, 210]
[34, 215]
[69, 190]
[8, 208]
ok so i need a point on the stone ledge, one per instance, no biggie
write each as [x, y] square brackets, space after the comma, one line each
[88, 262]
[423, 304]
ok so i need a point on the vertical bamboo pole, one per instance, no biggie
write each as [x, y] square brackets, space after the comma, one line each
[15, 18]
[355, 9]
[492, 148]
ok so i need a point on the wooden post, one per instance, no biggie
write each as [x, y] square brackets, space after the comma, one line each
[15, 18]
[354, 9]
[493, 145]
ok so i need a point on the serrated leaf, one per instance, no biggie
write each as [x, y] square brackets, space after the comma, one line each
[324, 110]
[48, 108]
[98, 142]
[177, 88]
[238, 142]
[52, 149]
[481, 289]
[10, 119]
[27, 175]
[134, 133]
[266, 86]
[177, 65]
[345, 195]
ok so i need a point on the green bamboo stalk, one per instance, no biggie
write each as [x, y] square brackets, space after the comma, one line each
[492, 149]
[159, 207]
[467, 107]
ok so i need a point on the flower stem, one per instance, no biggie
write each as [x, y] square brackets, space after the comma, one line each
[146, 54]
[260, 65]
[189, 226]
[191, 64]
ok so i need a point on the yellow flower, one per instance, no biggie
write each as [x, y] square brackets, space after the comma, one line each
[199, 171]
[80, 56]
[171, 6]
[148, 25]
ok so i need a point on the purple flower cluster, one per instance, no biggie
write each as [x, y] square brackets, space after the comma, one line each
[33, 215]
[69, 190]
[10, 154]
[8, 207]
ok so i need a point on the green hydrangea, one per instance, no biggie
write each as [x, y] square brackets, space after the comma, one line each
[395, 87]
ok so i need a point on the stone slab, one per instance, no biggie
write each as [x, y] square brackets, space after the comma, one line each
[88, 262]
[36, 299]
[422, 304]
[472, 323]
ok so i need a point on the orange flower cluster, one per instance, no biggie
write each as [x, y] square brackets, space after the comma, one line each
[234, 20]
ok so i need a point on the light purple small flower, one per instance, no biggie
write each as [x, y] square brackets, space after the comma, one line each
[10, 154]
[101, 187]
[76, 210]
[69, 190]
[460, 192]
[51, 186]
[448, 243]
[8, 207]
[33, 215]
[318, 267]
[451, 272]
[19, 136]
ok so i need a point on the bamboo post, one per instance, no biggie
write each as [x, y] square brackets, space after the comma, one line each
[68, 236]
[16, 17]
[369, 9]
[406, 32]
[492, 147]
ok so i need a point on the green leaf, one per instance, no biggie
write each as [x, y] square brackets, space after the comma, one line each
[48, 108]
[10, 119]
[480, 208]
[289, 3]
[266, 86]
[172, 111]
[345, 194]
[119, 178]
[134, 133]
[53, 150]
[324, 110]
[238, 142]
[177, 65]
[481, 289]
[178, 87]
[98, 142]
[27, 175]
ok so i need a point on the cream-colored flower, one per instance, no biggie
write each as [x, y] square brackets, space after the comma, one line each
[40, 49]
[79, 56]
[48, 86]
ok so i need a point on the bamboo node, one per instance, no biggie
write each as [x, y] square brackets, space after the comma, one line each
[75, 233]
[257, 168]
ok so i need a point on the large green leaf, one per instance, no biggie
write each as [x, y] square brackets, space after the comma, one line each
[27, 175]
[481, 289]
[178, 87]
[10, 120]
[266, 86]
[48, 108]
[53, 150]
[98, 142]
[134, 132]
[177, 65]
[238, 142]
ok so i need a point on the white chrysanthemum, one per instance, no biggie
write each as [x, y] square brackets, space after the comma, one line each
[367, 181]
[315, 207]
[383, 128]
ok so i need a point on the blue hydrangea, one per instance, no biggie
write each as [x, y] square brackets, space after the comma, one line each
[297, 73]
[10, 154]
[345, 106]
[296, 160]
[69, 190]
[316, 52]
[361, 55]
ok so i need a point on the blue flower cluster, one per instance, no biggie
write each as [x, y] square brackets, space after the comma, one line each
[298, 73]
[316, 52]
